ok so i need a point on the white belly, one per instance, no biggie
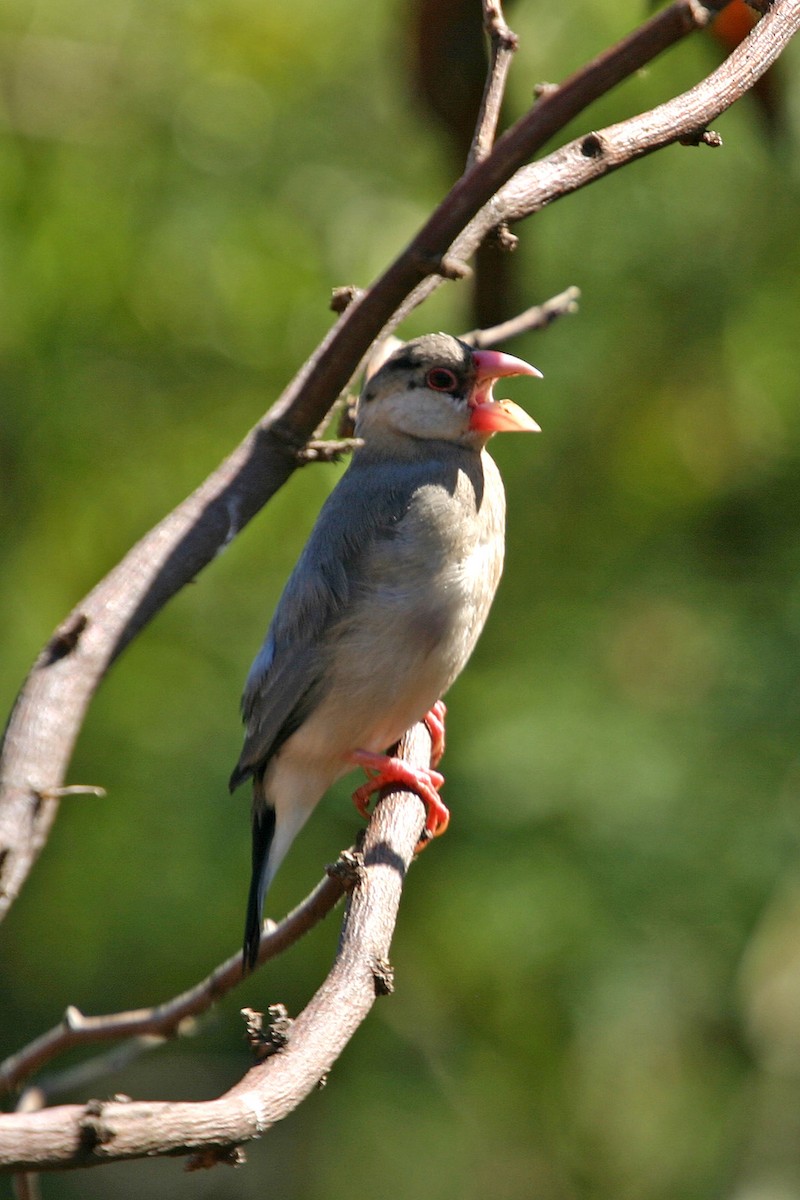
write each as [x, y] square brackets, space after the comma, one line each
[412, 631]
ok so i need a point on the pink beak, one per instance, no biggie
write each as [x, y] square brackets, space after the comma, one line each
[498, 416]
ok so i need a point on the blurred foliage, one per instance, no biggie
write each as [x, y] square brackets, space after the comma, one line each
[598, 975]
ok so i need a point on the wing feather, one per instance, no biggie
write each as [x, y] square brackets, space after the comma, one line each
[287, 678]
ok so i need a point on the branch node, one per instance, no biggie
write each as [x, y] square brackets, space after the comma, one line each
[445, 265]
[266, 1042]
[593, 146]
[93, 1131]
[328, 451]
[503, 239]
[253, 1026]
[73, 1018]
[702, 137]
[204, 1160]
[542, 90]
[698, 16]
[65, 639]
[343, 297]
[348, 869]
[383, 977]
[287, 438]
[280, 1027]
[495, 25]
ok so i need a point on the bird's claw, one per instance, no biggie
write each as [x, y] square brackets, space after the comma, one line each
[384, 770]
[434, 722]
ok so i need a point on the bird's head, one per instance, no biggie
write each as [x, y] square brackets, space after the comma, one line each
[438, 388]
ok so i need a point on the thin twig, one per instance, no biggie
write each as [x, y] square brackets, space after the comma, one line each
[74, 789]
[328, 450]
[537, 317]
[503, 44]
[165, 1020]
[26, 1186]
[83, 1076]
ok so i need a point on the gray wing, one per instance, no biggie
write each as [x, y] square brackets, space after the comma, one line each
[288, 677]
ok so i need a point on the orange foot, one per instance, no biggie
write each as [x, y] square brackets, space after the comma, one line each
[434, 720]
[385, 769]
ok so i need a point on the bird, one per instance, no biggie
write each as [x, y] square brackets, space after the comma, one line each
[386, 601]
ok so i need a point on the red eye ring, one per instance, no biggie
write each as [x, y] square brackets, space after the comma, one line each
[441, 379]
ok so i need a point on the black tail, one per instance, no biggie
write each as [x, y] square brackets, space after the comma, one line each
[263, 832]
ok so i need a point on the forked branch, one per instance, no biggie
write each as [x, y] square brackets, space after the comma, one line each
[52, 703]
[40, 736]
[76, 1135]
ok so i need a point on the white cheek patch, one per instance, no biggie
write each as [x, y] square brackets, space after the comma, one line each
[423, 413]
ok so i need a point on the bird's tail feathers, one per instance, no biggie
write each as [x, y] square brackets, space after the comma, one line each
[283, 797]
[263, 834]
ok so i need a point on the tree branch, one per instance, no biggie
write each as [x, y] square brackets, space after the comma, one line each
[50, 708]
[503, 43]
[52, 703]
[97, 1132]
[537, 317]
[165, 1020]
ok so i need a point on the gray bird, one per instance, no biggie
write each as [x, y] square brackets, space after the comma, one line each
[387, 600]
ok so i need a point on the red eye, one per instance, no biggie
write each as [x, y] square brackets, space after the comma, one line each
[442, 380]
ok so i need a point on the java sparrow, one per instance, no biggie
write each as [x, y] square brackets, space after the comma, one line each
[387, 600]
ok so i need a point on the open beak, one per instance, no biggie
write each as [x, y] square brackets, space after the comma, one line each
[498, 416]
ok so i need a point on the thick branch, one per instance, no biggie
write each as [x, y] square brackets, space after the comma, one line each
[89, 1135]
[52, 703]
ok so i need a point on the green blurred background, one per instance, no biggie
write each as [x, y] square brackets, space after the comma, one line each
[598, 969]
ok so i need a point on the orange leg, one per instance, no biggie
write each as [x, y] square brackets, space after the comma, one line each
[385, 769]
